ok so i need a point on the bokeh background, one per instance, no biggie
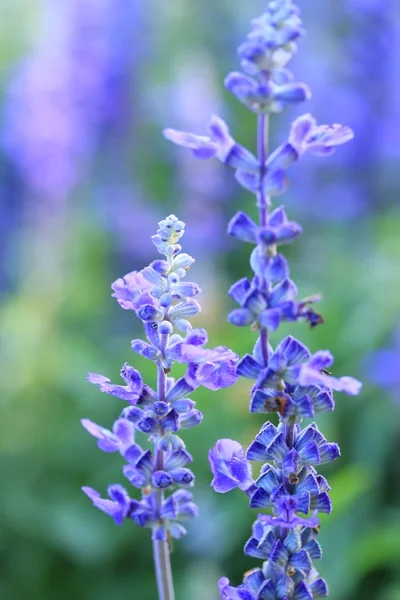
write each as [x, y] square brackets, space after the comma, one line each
[85, 88]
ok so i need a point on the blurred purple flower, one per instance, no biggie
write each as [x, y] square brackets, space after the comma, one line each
[382, 367]
[372, 111]
[59, 95]
[203, 185]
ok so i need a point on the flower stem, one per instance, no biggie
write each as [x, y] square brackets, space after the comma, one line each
[161, 554]
[263, 203]
[162, 565]
[262, 149]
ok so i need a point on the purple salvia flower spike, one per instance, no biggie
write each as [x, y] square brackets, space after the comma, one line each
[164, 303]
[288, 379]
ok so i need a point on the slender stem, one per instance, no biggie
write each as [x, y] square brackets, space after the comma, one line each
[161, 552]
[262, 149]
[162, 565]
[263, 203]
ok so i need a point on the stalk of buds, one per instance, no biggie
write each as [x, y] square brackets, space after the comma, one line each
[288, 380]
[164, 302]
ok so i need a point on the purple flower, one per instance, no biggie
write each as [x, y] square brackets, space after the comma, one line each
[229, 466]
[119, 505]
[288, 379]
[321, 140]
[262, 97]
[286, 515]
[312, 372]
[59, 96]
[292, 363]
[164, 303]
[228, 592]
[132, 291]
[120, 439]
[212, 368]
[278, 231]
[219, 144]
[308, 447]
[130, 392]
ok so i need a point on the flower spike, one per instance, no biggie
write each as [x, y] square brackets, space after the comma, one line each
[288, 380]
[164, 301]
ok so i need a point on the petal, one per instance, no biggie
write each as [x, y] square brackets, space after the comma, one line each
[302, 592]
[270, 319]
[239, 157]
[282, 158]
[284, 291]
[292, 93]
[255, 301]
[322, 503]
[97, 379]
[239, 290]
[123, 430]
[248, 180]
[248, 367]
[201, 146]
[319, 588]
[179, 390]
[320, 360]
[243, 228]
[277, 269]
[197, 337]
[241, 317]
[96, 430]
[275, 182]
[90, 492]
[300, 130]
[295, 351]
[240, 85]
[277, 218]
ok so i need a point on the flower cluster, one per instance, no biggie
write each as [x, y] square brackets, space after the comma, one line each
[289, 380]
[164, 301]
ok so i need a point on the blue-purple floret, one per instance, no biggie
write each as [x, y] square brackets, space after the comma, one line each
[289, 380]
[164, 302]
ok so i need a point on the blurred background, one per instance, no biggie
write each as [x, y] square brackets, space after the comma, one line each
[85, 88]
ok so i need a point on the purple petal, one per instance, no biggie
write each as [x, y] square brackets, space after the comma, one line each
[275, 182]
[240, 85]
[219, 130]
[282, 157]
[96, 430]
[270, 319]
[90, 492]
[247, 180]
[301, 129]
[320, 360]
[284, 291]
[239, 290]
[292, 93]
[229, 466]
[123, 429]
[201, 146]
[243, 228]
[97, 379]
[309, 376]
